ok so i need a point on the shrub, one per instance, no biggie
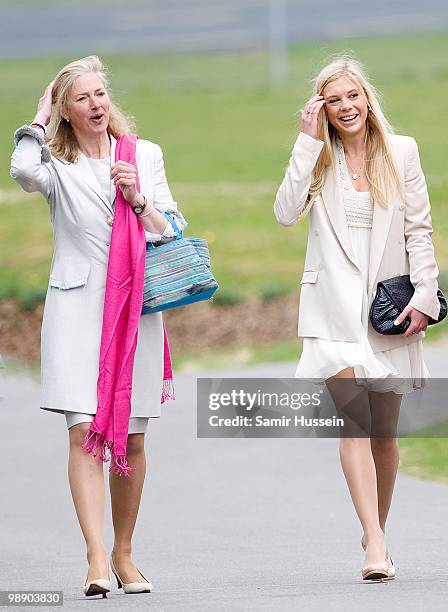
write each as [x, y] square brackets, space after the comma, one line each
[227, 297]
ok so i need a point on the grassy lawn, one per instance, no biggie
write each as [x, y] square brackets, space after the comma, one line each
[226, 137]
[426, 457]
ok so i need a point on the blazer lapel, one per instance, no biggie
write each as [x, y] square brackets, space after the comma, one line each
[332, 199]
[113, 146]
[382, 218]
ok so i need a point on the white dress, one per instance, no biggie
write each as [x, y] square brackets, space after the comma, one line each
[321, 358]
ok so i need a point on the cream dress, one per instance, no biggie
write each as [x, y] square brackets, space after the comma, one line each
[400, 369]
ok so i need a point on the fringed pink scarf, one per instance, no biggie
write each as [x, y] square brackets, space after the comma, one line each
[122, 310]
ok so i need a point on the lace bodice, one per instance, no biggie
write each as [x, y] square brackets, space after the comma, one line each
[358, 205]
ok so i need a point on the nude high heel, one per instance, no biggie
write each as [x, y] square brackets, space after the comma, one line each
[100, 586]
[131, 587]
[376, 571]
[391, 566]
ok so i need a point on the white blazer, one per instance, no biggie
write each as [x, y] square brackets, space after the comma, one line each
[68, 187]
[331, 287]
[73, 313]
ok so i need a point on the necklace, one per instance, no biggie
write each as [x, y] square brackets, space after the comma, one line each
[354, 171]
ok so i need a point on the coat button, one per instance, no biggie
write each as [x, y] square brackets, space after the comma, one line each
[401, 207]
[316, 232]
[401, 240]
[110, 221]
[107, 243]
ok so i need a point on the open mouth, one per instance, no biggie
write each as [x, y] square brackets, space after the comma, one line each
[349, 118]
[97, 118]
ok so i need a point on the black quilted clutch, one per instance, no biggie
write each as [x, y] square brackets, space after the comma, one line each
[392, 296]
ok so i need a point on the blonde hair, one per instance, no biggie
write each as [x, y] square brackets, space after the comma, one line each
[60, 134]
[381, 170]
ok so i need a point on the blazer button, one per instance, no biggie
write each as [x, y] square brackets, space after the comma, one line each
[107, 243]
[401, 207]
[110, 221]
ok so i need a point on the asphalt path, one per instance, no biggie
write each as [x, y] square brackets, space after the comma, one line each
[225, 524]
[202, 25]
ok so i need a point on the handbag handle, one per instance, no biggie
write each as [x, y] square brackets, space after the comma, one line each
[150, 245]
[174, 225]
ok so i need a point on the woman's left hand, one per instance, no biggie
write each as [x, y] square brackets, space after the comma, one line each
[124, 175]
[419, 321]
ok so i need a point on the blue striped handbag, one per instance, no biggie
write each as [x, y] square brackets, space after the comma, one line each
[177, 273]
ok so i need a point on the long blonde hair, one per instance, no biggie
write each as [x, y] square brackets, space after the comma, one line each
[60, 134]
[381, 170]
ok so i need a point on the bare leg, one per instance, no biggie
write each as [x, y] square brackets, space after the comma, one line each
[359, 467]
[85, 474]
[126, 493]
[385, 409]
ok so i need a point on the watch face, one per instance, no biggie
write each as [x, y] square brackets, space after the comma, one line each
[138, 210]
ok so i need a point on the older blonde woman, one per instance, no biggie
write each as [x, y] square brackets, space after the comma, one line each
[369, 220]
[76, 173]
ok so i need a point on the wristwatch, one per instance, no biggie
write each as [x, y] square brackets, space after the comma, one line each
[141, 207]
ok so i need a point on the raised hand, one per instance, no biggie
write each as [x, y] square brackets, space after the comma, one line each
[309, 114]
[43, 113]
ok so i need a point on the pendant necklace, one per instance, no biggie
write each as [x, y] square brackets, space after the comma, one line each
[355, 175]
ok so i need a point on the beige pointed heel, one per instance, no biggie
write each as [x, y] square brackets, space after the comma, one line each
[391, 570]
[391, 566]
[100, 586]
[131, 587]
[375, 571]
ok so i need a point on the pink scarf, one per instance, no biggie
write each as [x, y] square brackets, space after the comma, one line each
[122, 310]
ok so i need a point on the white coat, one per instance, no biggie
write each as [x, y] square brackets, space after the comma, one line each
[73, 313]
[331, 286]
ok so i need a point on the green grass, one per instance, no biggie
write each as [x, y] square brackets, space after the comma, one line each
[226, 137]
[278, 352]
[426, 455]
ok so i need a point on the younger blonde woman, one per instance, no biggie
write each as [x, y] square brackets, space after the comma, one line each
[369, 220]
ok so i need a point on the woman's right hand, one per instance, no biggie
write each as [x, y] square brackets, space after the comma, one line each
[309, 114]
[43, 113]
